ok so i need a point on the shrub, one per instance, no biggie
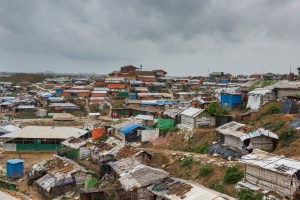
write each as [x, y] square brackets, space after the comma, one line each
[186, 162]
[206, 170]
[233, 175]
[288, 136]
[91, 183]
[217, 187]
[278, 124]
[247, 194]
[267, 125]
[216, 109]
[272, 109]
[202, 149]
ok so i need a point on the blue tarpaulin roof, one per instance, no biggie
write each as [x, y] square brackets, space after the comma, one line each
[130, 127]
[164, 103]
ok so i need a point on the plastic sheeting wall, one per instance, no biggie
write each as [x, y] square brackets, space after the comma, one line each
[149, 135]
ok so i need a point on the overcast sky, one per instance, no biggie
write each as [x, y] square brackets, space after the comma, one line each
[181, 37]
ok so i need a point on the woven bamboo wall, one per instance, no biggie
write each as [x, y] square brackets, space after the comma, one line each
[269, 180]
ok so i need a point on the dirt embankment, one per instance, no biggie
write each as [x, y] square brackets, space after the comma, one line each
[168, 157]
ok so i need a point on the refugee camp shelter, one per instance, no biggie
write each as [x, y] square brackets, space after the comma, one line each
[272, 172]
[63, 106]
[231, 101]
[128, 131]
[194, 118]
[39, 138]
[259, 97]
[74, 149]
[287, 89]
[134, 176]
[62, 175]
[235, 135]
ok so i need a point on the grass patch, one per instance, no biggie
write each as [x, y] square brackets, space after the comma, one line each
[202, 149]
[247, 194]
[267, 125]
[91, 183]
[278, 124]
[233, 175]
[288, 136]
[220, 187]
[272, 109]
[186, 162]
[206, 170]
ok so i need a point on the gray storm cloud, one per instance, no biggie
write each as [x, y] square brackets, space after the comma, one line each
[182, 37]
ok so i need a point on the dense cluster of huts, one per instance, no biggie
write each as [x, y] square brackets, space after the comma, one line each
[140, 106]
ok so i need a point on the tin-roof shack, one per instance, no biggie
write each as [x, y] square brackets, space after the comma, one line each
[235, 135]
[272, 172]
[195, 118]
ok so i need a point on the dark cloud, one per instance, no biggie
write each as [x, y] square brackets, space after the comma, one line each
[183, 37]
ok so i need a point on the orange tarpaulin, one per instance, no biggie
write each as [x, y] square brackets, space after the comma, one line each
[98, 133]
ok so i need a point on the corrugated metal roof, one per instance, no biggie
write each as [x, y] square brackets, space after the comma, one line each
[272, 162]
[63, 105]
[258, 133]
[47, 132]
[145, 117]
[192, 112]
[26, 106]
[231, 128]
[134, 175]
[74, 145]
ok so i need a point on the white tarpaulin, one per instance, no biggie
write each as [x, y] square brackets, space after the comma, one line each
[149, 135]
[256, 98]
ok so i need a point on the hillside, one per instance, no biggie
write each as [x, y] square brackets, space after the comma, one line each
[24, 77]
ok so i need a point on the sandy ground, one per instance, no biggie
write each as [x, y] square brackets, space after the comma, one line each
[29, 160]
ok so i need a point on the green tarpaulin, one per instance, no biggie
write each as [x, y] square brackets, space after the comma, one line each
[165, 124]
[123, 94]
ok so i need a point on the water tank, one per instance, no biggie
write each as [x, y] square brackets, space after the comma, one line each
[15, 168]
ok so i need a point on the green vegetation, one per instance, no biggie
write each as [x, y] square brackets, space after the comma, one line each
[186, 162]
[91, 183]
[116, 104]
[267, 125]
[278, 124]
[216, 109]
[288, 136]
[202, 149]
[217, 187]
[247, 194]
[24, 77]
[206, 170]
[94, 108]
[103, 138]
[262, 83]
[272, 109]
[233, 175]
